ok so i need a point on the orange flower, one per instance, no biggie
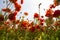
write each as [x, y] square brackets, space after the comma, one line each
[21, 1]
[6, 10]
[25, 13]
[49, 13]
[17, 7]
[36, 15]
[13, 1]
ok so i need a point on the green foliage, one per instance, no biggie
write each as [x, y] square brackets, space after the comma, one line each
[58, 0]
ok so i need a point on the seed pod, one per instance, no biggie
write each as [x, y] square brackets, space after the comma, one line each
[26, 13]
[22, 1]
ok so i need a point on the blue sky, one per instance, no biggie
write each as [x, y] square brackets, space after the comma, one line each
[31, 6]
[1, 4]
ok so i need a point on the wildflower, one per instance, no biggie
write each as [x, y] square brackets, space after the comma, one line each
[25, 13]
[36, 15]
[41, 23]
[49, 13]
[11, 17]
[32, 29]
[25, 23]
[17, 7]
[13, 1]
[41, 20]
[6, 23]
[15, 13]
[56, 13]
[6, 10]
[17, 21]
[31, 23]
[37, 26]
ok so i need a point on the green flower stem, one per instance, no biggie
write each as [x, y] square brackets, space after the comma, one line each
[26, 37]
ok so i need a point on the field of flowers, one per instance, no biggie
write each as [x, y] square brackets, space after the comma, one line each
[13, 29]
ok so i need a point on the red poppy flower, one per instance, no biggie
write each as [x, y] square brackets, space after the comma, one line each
[13, 1]
[21, 1]
[32, 29]
[25, 23]
[1, 17]
[37, 26]
[36, 15]
[6, 23]
[6, 10]
[25, 13]
[15, 13]
[11, 17]
[17, 7]
[42, 20]
[49, 13]
[41, 23]
[56, 13]
[17, 21]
